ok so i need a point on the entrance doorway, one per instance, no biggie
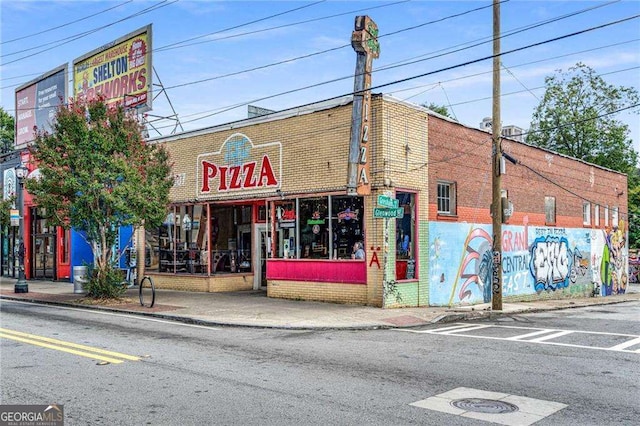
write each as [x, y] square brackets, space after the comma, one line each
[44, 256]
[260, 255]
[43, 243]
[9, 263]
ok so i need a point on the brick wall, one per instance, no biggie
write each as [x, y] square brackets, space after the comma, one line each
[463, 155]
[322, 292]
[218, 283]
[308, 151]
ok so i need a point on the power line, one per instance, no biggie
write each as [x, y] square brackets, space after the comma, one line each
[516, 79]
[564, 188]
[86, 33]
[298, 23]
[66, 24]
[327, 50]
[393, 33]
[513, 66]
[534, 88]
[75, 37]
[573, 34]
[504, 34]
[403, 63]
[175, 45]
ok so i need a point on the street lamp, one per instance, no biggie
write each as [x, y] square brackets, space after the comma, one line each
[21, 285]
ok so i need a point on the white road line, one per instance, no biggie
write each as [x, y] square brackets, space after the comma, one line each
[550, 336]
[451, 328]
[603, 333]
[626, 345]
[535, 333]
[464, 330]
[459, 330]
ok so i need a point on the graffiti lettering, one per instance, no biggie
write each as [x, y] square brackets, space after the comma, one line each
[551, 262]
[516, 283]
[514, 241]
[515, 263]
[580, 265]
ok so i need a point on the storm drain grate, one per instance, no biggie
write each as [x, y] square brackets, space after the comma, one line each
[481, 405]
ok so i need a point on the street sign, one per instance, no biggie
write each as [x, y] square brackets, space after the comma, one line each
[379, 212]
[385, 201]
[14, 216]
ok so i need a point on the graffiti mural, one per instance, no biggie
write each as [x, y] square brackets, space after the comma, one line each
[560, 260]
[534, 259]
[460, 264]
[610, 261]
[516, 278]
[551, 263]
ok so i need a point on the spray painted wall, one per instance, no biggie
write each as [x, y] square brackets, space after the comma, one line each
[535, 260]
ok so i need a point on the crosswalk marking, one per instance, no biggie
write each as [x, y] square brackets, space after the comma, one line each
[524, 336]
[68, 347]
[446, 328]
[543, 336]
[627, 344]
[465, 329]
[550, 336]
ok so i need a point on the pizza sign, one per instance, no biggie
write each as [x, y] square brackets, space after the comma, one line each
[239, 166]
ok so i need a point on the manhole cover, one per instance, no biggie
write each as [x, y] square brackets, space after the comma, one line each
[481, 405]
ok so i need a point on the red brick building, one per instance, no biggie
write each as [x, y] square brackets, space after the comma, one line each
[556, 203]
[263, 202]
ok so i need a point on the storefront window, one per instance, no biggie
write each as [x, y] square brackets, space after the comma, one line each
[314, 228]
[190, 242]
[318, 227]
[406, 237]
[346, 217]
[285, 229]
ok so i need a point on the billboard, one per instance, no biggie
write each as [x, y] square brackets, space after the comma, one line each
[120, 70]
[37, 102]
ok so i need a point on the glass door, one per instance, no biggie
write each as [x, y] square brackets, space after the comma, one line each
[43, 254]
[260, 254]
[9, 255]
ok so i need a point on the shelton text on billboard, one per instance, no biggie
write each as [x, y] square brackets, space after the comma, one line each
[121, 71]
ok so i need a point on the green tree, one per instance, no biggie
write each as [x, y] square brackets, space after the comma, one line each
[7, 131]
[5, 211]
[576, 117]
[97, 174]
[440, 109]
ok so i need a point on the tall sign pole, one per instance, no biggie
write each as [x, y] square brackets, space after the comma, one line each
[364, 41]
[496, 285]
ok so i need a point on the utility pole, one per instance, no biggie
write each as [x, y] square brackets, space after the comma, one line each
[496, 184]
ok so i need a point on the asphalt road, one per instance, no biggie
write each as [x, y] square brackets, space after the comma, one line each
[156, 372]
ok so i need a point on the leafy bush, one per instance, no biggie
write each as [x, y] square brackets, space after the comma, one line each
[105, 283]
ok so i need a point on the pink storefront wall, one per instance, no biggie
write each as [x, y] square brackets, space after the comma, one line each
[331, 271]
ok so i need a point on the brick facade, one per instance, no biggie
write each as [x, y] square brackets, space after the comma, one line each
[411, 149]
[463, 155]
[541, 258]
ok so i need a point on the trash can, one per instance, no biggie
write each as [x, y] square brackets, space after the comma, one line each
[80, 278]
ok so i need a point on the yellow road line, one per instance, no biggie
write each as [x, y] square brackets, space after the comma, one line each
[69, 347]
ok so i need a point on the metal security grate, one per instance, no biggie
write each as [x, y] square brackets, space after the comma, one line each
[481, 405]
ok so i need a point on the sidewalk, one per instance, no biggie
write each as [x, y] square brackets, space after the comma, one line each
[254, 309]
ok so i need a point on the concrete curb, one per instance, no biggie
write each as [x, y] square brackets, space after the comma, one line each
[198, 321]
[441, 319]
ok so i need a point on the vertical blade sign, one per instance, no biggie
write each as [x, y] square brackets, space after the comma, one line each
[364, 41]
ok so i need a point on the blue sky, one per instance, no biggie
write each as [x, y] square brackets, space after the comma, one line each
[206, 40]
